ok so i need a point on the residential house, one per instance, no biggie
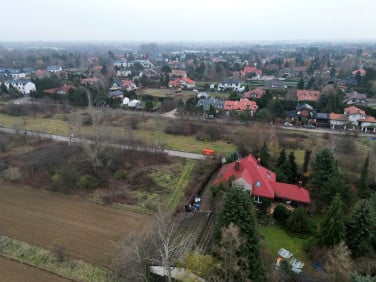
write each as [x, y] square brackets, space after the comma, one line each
[146, 64]
[322, 120]
[17, 74]
[368, 123]
[177, 73]
[41, 73]
[361, 71]
[123, 73]
[337, 120]
[260, 181]
[354, 114]
[256, 93]
[90, 81]
[122, 63]
[60, 90]
[303, 112]
[128, 85]
[230, 84]
[252, 72]
[275, 83]
[308, 95]
[183, 82]
[54, 68]
[23, 86]
[241, 105]
[355, 98]
[116, 94]
[206, 103]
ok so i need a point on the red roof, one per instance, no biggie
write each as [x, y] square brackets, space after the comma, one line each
[255, 93]
[368, 119]
[261, 181]
[65, 88]
[291, 192]
[308, 95]
[341, 117]
[175, 82]
[361, 71]
[90, 80]
[188, 80]
[354, 110]
[248, 69]
[127, 83]
[241, 105]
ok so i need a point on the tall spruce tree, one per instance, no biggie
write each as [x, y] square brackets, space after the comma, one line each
[328, 181]
[292, 169]
[281, 158]
[264, 155]
[360, 229]
[363, 185]
[237, 208]
[332, 229]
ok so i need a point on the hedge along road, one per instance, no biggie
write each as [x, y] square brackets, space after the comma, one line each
[70, 139]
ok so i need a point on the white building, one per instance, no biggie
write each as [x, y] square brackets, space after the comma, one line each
[23, 86]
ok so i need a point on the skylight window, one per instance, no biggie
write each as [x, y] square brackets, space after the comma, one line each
[258, 183]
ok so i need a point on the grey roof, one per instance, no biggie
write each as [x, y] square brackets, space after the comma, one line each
[231, 80]
[322, 115]
[116, 93]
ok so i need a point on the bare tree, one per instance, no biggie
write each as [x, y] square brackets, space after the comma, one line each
[160, 248]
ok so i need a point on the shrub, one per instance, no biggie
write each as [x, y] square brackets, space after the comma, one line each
[298, 222]
[87, 182]
[12, 174]
[281, 214]
[212, 132]
[121, 174]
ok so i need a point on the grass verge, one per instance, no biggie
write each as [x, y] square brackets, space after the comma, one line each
[66, 267]
[177, 191]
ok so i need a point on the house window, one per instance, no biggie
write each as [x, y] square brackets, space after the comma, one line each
[258, 183]
[257, 200]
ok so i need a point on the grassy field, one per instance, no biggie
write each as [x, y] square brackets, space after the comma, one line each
[12, 271]
[276, 238]
[86, 230]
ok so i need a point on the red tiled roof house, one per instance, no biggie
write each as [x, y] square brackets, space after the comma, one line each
[260, 181]
[242, 105]
[308, 95]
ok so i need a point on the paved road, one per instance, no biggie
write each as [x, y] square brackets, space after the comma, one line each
[80, 140]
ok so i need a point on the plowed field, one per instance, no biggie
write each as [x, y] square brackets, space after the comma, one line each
[86, 230]
[12, 271]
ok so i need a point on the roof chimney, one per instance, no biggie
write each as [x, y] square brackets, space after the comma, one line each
[237, 166]
[300, 183]
[259, 161]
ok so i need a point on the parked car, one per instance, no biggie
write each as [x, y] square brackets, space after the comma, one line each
[309, 126]
[288, 124]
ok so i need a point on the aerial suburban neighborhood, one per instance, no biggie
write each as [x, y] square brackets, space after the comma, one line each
[198, 141]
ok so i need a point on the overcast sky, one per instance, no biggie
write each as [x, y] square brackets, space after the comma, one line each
[189, 20]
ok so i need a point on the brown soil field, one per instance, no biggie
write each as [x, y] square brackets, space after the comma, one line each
[86, 230]
[12, 271]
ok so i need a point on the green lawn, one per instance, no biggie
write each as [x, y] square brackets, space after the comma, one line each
[274, 238]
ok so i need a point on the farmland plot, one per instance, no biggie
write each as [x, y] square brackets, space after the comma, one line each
[12, 271]
[87, 231]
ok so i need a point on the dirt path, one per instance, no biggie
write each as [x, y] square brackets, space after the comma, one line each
[12, 271]
[170, 114]
[87, 231]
